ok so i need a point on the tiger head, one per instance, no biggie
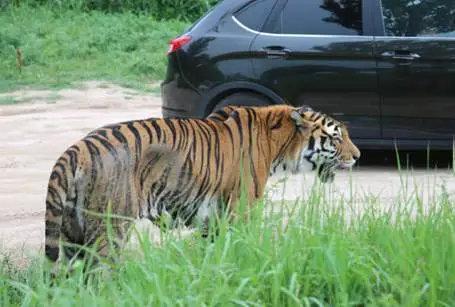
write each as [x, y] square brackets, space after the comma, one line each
[319, 143]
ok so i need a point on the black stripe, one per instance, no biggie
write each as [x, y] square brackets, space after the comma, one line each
[286, 144]
[53, 209]
[217, 153]
[61, 166]
[201, 144]
[118, 135]
[147, 129]
[206, 133]
[183, 134]
[75, 148]
[52, 252]
[311, 143]
[201, 193]
[109, 147]
[219, 177]
[94, 154]
[150, 164]
[101, 132]
[231, 136]
[52, 229]
[236, 117]
[56, 176]
[161, 188]
[222, 114]
[277, 124]
[92, 147]
[309, 159]
[157, 130]
[171, 126]
[326, 134]
[137, 137]
[193, 148]
[73, 159]
[181, 198]
[323, 140]
[63, 170]
[55, 196]
[63, 160]
[208, 146]
[267, 119]
[250, 140]
[137, 144]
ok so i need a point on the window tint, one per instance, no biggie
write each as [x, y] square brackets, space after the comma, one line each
[334, 17]
[419, 17]
[254, 15]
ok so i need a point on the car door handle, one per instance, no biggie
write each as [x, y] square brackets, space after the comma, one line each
[276, 51]
[400, 55]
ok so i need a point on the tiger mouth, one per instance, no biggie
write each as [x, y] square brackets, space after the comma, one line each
[346, 165]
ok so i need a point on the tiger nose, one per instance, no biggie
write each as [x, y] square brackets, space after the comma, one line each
[356, 156]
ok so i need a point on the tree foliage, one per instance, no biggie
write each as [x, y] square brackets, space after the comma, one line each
[188, 10]
[345, 13]
[418, 17]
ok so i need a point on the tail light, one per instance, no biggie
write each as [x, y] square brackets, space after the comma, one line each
[178, 43]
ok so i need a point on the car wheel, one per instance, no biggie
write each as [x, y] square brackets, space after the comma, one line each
[242, 99]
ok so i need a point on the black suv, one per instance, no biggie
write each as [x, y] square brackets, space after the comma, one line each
[387, 68]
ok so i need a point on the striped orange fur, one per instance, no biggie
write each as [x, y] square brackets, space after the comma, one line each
[187, 168]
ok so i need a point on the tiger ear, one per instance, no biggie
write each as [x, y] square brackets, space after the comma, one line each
[304, 109]
[300, 122]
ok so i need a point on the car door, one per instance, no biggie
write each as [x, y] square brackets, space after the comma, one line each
[317, 53]
[416, 69]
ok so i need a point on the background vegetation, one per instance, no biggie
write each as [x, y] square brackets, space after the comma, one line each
[187, 10]
[63, 41]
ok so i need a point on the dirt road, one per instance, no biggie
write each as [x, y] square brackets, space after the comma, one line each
[35, 133]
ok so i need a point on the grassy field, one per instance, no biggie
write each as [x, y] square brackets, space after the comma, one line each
[60, 47]
[187, 10]
[323, 255]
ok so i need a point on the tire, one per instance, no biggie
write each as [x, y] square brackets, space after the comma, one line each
[242, 99]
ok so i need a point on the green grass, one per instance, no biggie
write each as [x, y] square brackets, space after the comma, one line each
[63, 47]
[7, 100]
[400, 255]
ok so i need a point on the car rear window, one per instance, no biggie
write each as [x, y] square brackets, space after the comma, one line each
[330, 17]
[254, 14]
[419, 17]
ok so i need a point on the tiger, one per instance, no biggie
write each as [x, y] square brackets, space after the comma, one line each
[185, 169]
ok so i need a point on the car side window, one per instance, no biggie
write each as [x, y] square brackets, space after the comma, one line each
[254, 14]
[419, 17]
[329, 17]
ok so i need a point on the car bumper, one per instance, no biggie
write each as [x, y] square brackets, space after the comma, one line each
[180, 100]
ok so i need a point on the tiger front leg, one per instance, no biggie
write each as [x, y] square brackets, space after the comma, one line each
[241, 201]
